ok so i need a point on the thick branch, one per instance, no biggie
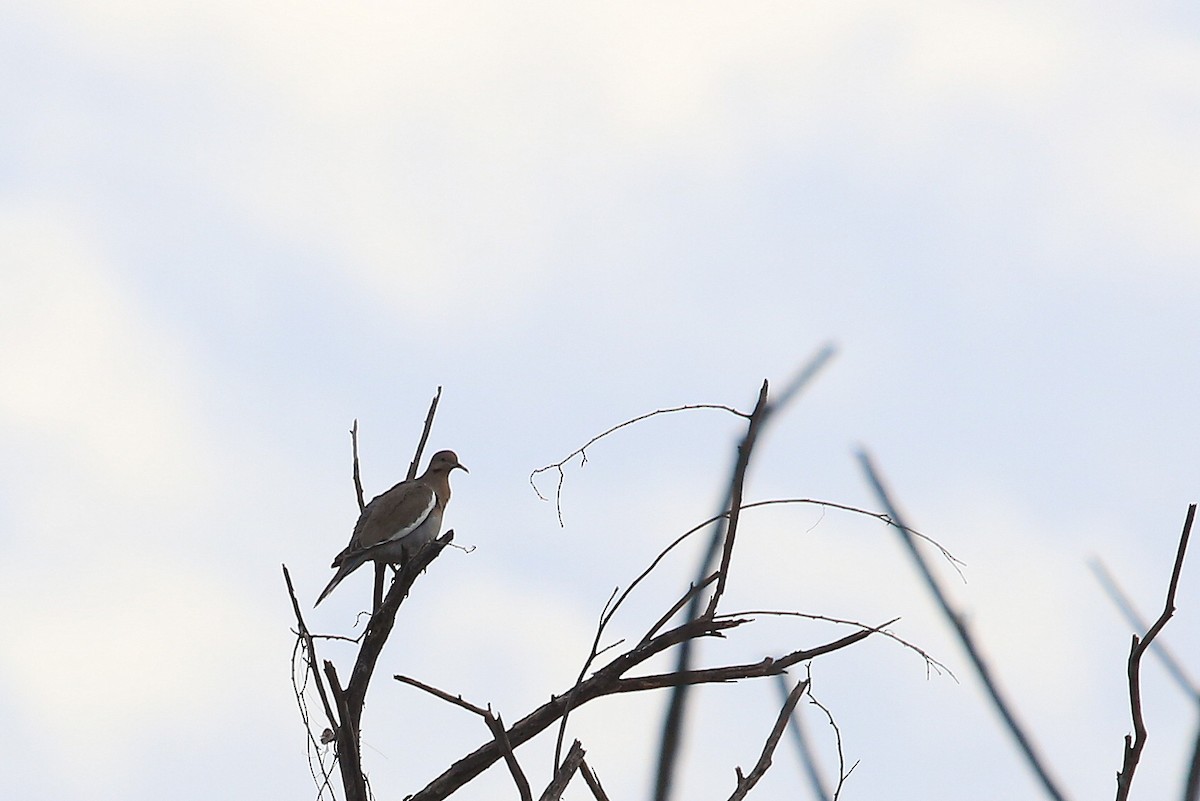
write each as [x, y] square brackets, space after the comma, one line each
[562, 776]
[380, 626]
[608, 680]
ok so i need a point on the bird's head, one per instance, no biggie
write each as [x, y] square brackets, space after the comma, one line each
[444, 462]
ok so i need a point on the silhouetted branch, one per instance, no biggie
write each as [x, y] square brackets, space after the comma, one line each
[562, 776]
[959, 625]
[611, 679]
[843, 774]
[358, 487]
[930, 662]
[1113, 590]
[494, 724]
[673, 721]
[581, 451]
[746, 783]
[593, 782]
[304, 642]
[811, 770]
[735, 496]
[1135, 743]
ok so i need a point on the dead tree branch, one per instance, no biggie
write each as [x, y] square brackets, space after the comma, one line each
[1135, 743]
[958, 623]
[611, 679]
[495, 726]
[735, 496]
[1174, 667]
[811, 770]
[562, 777]
[673, 721]
[746, 783]
[581, 451]
[592, 781]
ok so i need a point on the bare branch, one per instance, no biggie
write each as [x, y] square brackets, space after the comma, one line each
[415, 465]
[610, 679]
[735, 496]
[958, 623]
[746, 783]
[593, 653]
[457, 700]
[306, 637]
[358, 487]
[581, 451]
[1135, 744]
[1113, 590]
[380, 625]
[811, 769]
[673, 721]
[510, 759]
[354, 783]
[693, 590]
[593, 782]
[843, 774]
[930, 662]
[494, 724]
[563, 775]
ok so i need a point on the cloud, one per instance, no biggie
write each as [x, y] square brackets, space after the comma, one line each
[100, 662]
[88, 381]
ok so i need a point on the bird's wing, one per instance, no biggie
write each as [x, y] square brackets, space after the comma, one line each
[396, 514]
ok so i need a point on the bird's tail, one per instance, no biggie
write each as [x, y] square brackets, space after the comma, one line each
[348, 566]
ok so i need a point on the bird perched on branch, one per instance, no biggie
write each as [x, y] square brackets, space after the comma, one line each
[398, 523]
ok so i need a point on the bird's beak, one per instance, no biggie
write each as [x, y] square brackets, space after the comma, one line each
[461, 467]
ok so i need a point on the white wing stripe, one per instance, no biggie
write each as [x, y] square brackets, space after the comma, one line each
[415, 524]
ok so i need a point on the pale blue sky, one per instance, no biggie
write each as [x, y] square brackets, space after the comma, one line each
[228, 230]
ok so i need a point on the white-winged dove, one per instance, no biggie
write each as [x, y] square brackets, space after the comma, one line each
[398, 523]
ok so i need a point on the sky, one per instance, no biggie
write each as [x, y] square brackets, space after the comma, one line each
[228, 230]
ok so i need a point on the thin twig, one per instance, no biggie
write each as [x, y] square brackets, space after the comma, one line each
[843, 774]
[593, 781]
[930, 662]
[746, 783]
[380, 567]
[686, 598]
[673, 721]
[495, 726]
[1135, 743]
[1113, 590]
[593, 653]
[581, 451]
[735, 497]
[346, 738]
[358, 487]
[811, 769]
[309, 648]
[958, 623]
[416, 462]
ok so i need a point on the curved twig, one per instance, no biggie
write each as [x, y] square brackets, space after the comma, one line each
[581, 451]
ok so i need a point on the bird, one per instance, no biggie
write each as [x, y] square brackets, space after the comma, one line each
[398, 523]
